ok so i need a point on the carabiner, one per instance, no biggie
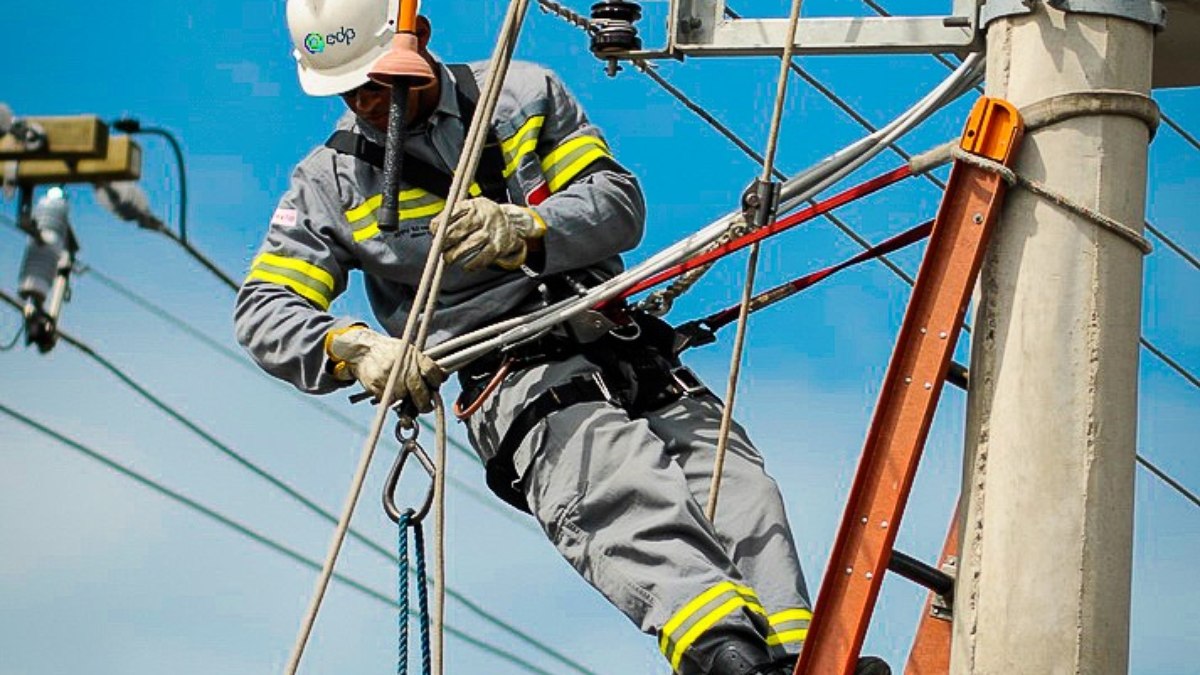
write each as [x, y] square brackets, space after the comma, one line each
[410, 447]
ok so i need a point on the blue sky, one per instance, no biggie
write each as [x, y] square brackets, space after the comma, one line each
[99, 573]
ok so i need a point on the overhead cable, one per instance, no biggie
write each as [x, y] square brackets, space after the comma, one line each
[1162, 356]
[1158, 233]
[1182, 132]
[1162, 475]
[295, 494]
[485, 500]
[249, 533]
[1183, 253]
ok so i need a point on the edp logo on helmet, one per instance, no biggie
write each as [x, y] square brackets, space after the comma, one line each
[316, 43]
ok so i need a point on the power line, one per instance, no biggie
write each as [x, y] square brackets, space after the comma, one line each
[292, 492]
[485, 500]
[1162, 475]
[1175, 365]
[248, 532]
[1181, 131]
[1189, 257]
[1173, 246]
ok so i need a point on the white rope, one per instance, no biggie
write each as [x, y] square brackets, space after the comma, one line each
[439, 539]
[430, 275]
[743, 320]
[1057, 198]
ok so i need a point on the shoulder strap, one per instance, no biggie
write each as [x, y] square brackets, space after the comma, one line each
[414, 171]
[490, 172]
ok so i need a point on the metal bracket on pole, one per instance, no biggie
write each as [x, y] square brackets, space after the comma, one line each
[1149, 12]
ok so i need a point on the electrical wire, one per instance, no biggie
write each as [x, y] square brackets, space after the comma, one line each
[292, 492]
[1162, 475]
[249, 533]
[1162, 356]
[1183, 253]
[1162, 236]
[485, 500]
[1181, 131]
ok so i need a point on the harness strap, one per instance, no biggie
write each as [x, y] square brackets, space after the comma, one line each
[501, 475]
[417, 172]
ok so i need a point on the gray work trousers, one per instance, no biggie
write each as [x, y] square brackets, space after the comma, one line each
[622, 500]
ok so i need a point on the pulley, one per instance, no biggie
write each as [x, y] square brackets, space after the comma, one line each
[613, 31]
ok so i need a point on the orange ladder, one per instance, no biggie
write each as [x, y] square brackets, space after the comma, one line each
[907, 402]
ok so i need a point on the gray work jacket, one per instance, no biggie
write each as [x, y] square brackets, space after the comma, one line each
[325, 225]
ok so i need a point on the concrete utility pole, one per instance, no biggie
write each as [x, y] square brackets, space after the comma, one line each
[1043, 584]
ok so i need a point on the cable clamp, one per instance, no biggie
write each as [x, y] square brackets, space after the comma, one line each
[760, 202]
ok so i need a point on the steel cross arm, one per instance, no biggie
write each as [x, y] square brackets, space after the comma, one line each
[700, 28]
[909, 396]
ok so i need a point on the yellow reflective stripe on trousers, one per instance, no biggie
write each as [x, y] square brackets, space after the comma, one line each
[788, 626]
[296, 286]
[697, 616]
[566, 161]
[523, 142]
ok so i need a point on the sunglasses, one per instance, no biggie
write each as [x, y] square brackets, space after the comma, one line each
[371, 86]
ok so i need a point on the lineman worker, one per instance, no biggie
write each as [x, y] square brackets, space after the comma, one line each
[610, 451]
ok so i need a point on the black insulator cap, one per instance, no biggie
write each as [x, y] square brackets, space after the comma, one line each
[617, 10]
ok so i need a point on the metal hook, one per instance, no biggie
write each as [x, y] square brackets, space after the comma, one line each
[411, 447]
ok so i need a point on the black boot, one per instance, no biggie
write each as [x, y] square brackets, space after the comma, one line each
[739, 657]
[867, 665]
[872, 665]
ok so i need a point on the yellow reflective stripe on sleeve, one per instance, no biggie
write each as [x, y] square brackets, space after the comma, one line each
[523, 142]
[366, 231]
[414, 203]
[431, 209]
[299, 288]
[307, 269]
[566, 175]
[363, 210]
[566, 161]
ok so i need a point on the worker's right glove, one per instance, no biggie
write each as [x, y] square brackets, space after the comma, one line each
[358, 352]
[480, 232]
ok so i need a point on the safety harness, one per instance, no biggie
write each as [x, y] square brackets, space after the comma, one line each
[637, 370]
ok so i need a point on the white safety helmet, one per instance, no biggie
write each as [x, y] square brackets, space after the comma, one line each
[337, 41]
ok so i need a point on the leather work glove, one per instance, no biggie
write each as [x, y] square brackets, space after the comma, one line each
[360, 353]
[480, 232]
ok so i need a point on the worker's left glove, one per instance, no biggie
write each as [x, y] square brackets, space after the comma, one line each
[357, 352]
[480, 232]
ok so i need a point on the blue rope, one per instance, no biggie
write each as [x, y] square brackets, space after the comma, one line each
[423, 601]
[405, 523]
[402, 554]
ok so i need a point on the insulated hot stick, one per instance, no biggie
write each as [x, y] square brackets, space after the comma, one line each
[401, 69]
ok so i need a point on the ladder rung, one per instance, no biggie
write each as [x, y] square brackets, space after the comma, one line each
[926, 575]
